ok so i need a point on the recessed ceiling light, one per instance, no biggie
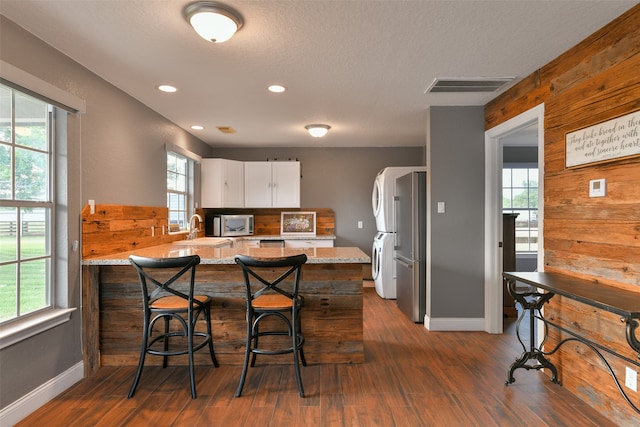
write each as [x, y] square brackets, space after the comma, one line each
[167, 88]
[197, 127]
[277, 88]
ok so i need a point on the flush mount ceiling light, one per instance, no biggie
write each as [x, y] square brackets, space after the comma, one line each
[317, 131]
[214, 22]
[197, 127]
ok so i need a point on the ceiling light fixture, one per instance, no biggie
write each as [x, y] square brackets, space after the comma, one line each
[317, 131]
[214, 22]
[277, 88]
[197, 127]
[167, 88]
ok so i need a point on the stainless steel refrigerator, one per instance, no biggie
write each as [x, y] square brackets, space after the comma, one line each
[410, 244]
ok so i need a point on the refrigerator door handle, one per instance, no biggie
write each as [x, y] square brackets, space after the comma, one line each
[404, 263]
[396, 199]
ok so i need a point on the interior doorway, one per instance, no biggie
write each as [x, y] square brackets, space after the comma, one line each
[495, 140]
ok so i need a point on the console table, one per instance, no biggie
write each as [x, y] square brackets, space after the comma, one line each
[621, 302]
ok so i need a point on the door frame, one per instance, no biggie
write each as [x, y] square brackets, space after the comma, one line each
[493, 289]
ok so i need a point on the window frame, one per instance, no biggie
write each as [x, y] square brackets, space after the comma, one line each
[528, 167]
[57, 312]
[188, 192]
[49, 205]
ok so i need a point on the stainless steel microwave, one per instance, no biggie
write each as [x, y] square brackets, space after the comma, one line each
[230, 225]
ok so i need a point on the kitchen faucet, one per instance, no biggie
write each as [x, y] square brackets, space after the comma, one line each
[193, 231]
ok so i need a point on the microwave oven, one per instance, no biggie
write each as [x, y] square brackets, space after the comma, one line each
[229, 225]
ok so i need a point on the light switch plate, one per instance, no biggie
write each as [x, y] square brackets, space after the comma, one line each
[440, 207]
[598, 187]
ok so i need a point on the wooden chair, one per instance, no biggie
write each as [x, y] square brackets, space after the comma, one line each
[269, 296]
[164, 300]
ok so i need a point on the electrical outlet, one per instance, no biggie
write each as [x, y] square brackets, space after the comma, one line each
[631, 379]
[92, 206]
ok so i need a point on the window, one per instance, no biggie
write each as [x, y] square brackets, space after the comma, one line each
[26, 205]
[520, 196]
[178, 184]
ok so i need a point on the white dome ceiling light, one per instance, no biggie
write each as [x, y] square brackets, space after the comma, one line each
[317, 131]
[214, 22]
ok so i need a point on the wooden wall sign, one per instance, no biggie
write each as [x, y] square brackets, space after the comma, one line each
[606, 141]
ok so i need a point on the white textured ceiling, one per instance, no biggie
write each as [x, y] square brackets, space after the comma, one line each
[360, 66]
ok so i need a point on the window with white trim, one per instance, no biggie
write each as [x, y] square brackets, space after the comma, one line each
[179, 172]
[520, 196]
[26, 205]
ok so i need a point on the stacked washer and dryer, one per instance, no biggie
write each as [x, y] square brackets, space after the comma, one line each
[383, 267]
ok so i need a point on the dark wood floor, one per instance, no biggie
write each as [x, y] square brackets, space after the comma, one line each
[412, 377]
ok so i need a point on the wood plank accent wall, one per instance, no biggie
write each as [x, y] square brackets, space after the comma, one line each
[593, 238]
[117, 228]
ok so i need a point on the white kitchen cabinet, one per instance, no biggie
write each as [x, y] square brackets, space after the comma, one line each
[308, 243]
[222, 183]
[272, 184]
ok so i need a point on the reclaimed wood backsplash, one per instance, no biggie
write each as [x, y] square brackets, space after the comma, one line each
[118, 228]
[593, 238]
[267, 220]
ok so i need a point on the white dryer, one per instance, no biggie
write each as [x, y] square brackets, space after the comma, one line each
[383, 266]
[384, 188]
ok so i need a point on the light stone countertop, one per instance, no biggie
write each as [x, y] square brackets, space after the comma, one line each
[286, 237]
[215, 255]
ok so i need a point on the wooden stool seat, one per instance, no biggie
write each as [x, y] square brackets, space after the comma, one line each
[177, 303]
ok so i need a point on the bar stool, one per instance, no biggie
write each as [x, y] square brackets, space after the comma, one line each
[163, 300]
[269, 296]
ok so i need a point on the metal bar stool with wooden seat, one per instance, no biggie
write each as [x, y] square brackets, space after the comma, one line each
[268, 295]
[164, 298]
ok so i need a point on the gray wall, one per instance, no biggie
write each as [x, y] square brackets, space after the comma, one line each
[520, 155]
[340, 179]
[115, 155]
[455, 148]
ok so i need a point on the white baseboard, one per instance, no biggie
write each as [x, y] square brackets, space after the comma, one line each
[28, 403]
[454, 324]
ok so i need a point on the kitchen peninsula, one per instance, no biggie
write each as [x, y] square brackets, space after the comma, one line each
[331, 283]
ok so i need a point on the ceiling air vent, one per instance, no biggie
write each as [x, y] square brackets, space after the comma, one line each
[472, 84]
[226, 129]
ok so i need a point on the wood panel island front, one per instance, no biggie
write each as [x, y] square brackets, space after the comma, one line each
[331, 284]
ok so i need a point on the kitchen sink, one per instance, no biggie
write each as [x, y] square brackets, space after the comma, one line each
[206, 241]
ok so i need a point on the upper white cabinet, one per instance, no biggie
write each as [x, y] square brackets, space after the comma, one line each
[222, 183]
[272, 184]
